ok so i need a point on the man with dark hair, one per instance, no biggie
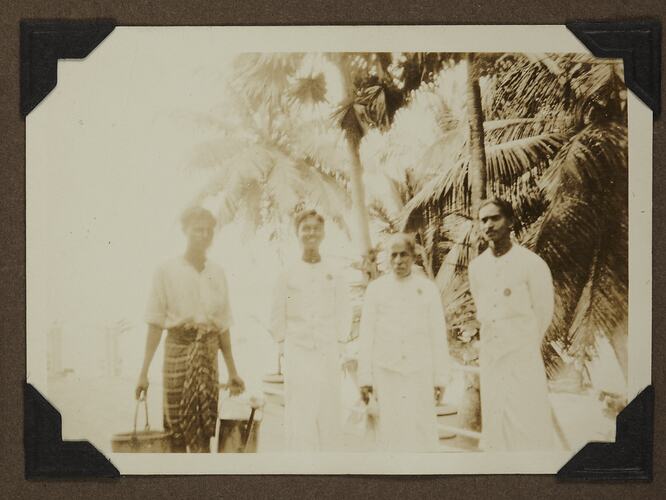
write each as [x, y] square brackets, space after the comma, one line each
[310, 316]
[305, 214]
[403, 359]
[190, 300]
[513, 292]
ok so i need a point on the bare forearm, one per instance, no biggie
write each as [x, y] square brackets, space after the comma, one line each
[152, 341]
[225, 347]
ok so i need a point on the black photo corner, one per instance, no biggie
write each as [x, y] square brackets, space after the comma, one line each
[47, 456]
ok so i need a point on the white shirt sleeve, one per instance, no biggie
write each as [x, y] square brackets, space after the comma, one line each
[439, 335]
[540, 283]
[343, 310]
[226, 319]
[156, 309]
[279, 310]
[367, 336]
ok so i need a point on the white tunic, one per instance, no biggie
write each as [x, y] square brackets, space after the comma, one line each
[514, 300]
[404, 355]
[180, 294]
[311, 315]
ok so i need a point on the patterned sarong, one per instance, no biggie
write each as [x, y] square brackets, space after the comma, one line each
[191, 387]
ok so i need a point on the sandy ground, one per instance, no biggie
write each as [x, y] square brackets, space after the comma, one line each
[96, 409]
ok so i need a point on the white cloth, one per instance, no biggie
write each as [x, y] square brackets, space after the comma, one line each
[311, 315]
[514, 300]
[403, 356]
[180, 294]
[407, 413]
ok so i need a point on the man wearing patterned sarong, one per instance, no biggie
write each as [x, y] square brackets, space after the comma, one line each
[189, 299]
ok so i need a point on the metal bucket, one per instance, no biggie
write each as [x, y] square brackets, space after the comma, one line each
[145, 441]
[237, 433]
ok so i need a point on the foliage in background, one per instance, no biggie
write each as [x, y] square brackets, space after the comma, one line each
[556, 147]
[555, 144]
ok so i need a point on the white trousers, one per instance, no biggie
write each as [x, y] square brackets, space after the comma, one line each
[407, 413]
[312, 399]
[515, 409]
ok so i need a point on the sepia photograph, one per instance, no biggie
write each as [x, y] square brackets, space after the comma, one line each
[341, 250]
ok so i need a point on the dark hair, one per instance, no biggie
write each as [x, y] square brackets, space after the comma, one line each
[304, 214]
[196, 213]
[505, 208]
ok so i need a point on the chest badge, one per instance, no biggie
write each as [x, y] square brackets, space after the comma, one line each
[507, 292]
[329, 277]
[418, 290]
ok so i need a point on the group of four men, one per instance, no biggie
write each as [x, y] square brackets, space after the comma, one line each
[403, 362]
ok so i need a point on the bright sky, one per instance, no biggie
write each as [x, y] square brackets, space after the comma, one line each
[115, 168]
[108, 176]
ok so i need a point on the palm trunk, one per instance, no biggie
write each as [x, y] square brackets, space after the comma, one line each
[470, 410]
[353, 136]
[477, 152]
[358, 196]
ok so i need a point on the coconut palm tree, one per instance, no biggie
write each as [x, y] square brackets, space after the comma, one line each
[556, 147]
[278, 129]
[477, 152]
[376, 86]
[276, 150]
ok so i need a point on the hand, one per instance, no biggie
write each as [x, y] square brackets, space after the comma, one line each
[366, 391]
[141, 386]
[235, 385]
[439, 393]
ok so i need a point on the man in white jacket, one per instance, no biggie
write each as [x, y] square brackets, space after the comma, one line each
[403, 356]
[513, 292]
[310, 316]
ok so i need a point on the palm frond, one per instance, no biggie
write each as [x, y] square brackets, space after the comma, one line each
[308, 90]
[507, 161]
[323, 145]
[284, 184]
[582, 235]
[461, 234]
[324, 190]
[509, 129]
[348, 116]
[264, 77]
[506, 164]
[525, 87]
[378, 211]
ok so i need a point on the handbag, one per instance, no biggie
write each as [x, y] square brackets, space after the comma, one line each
[145, 441]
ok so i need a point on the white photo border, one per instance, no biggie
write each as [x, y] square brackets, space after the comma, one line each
[507, 38]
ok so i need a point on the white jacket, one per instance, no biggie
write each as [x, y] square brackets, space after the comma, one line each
[403, 328]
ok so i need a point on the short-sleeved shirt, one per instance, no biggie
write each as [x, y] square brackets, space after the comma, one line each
[180, 295]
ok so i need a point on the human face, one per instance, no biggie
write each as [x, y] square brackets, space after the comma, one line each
[496, 227]
[401, 259]
[310, 233]
[199, 235]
